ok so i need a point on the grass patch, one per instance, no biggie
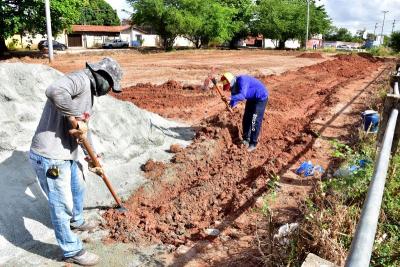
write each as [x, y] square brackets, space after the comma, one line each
[332, 213]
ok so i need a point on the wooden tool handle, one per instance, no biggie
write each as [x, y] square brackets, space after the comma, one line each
[221, 95]
[96, 163]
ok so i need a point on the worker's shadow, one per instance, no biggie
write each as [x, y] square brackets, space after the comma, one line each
[24, 216]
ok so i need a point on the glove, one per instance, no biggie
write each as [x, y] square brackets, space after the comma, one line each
[80, 132]
[97, 170]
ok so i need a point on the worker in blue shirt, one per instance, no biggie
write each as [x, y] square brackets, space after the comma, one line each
[244, 87]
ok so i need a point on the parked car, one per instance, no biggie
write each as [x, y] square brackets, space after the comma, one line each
[117, 43]
[42, 45]
[343, 47]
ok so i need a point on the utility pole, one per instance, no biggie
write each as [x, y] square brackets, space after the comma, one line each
[376, 26]
[49, 34]
[308, 20]
[394, 23]
[383, 24]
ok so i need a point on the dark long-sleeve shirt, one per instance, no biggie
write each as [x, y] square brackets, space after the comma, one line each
[248, 88]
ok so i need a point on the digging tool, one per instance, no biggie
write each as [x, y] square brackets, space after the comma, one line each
[96, 163]
[223, 98]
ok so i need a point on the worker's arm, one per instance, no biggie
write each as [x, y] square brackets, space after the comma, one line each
[240, 93]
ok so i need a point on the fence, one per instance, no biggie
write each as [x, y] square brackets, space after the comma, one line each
[363, 241]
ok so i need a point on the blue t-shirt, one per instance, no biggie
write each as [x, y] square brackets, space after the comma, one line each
[248, 88]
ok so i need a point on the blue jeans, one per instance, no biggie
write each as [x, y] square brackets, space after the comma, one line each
[252, 120]
[65, 195]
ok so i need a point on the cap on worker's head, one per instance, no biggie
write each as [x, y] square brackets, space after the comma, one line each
[111, 69]
[227, 80]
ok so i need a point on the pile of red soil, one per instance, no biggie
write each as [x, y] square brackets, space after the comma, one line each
[213, 181]
[310, 55]
[159, 98]
[153, 169]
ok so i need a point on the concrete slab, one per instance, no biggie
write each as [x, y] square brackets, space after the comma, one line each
[313, 260]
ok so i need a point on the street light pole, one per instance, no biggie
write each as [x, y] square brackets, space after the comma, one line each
[308, 20]
[49, 34]
[383, 24]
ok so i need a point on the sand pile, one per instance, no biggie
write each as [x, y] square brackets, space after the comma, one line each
[127, 135]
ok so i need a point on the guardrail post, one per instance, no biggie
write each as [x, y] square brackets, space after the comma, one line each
[387, 143]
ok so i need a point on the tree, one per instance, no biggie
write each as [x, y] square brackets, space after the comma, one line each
[286, 19]
[99, 12]
[28, 16]
[339, 34]
[205, 21]
[162, 15]
[240, 25]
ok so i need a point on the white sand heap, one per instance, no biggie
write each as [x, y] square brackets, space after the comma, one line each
[126, 135]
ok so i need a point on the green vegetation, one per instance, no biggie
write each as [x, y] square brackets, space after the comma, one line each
[286, 19]
[228, 21]
[98, 12]
[240, 24]
[333, 211]
[395, 41]
[28, 16]
[200, 21]
[381, 51]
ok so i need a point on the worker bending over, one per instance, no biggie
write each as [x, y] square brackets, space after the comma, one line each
[244, 87]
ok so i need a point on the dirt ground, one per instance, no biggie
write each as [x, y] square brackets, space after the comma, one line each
[206, 202]
[187, 67]
[216, 184]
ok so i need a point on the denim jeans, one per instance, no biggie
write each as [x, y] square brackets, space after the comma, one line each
[252, 120]
[65, 196]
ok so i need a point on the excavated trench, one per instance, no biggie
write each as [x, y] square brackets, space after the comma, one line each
[214, 180]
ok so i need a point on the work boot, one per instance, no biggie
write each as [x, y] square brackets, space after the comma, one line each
[251, 148]
[85, 226]
[83, 258]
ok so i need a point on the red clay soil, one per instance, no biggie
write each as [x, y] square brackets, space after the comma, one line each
[214, 180]
[310, 55]
[158, 98]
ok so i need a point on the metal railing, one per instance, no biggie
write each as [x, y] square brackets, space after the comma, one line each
[363, 241]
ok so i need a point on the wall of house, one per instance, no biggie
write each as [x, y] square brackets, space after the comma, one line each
[183, 42]
[151, 40]
[95, 40]
[291, 44]
[31, 41]
[132, 36]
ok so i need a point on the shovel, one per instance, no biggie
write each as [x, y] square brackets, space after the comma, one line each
[96, 163]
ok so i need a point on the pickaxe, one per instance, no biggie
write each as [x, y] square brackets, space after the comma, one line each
[86, 144]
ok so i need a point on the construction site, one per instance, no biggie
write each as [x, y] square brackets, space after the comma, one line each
[194, 196]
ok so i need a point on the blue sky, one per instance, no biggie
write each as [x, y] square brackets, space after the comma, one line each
[350, 14]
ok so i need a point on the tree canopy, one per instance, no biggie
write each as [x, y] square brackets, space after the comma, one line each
[339, 34]
[99, 12]
[199, 21]
[241, 21]
[206, 21]
[395, 41]
[286, 19]
[163, 16]
[28, 16]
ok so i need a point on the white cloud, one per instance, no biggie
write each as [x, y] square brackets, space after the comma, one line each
[119, 5]
[360, 14]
